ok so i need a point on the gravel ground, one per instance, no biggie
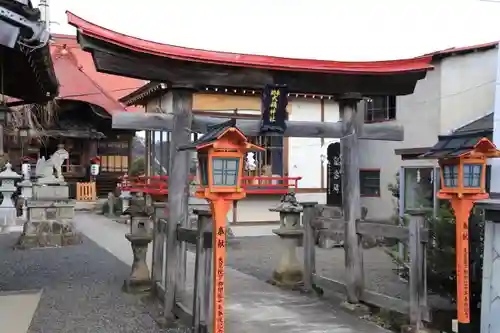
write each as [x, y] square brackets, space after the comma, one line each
[81, 289]
[259, 256]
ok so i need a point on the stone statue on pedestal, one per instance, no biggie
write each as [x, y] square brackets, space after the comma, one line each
[45, 168]
[50, 211]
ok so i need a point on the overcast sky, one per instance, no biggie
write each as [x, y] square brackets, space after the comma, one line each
[321, 29]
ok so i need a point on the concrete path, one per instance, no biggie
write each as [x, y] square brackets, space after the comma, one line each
[17, 309]
[252, 305]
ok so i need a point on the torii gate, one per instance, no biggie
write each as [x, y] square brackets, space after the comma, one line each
[187, 70]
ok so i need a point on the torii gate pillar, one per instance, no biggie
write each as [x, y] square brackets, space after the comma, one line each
[349, 148]
[181, 107]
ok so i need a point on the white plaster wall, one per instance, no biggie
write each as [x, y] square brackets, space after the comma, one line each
[467, 88]
[331, 114]
[304, 156]
[419, 114]
[460, 89]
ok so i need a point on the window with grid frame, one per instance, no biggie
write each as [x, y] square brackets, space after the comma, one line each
[369, 183]
[225, 171]
[450, 175]
[472, 175]
[380, 108]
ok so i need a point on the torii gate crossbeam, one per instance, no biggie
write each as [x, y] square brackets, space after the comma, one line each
[251, 127]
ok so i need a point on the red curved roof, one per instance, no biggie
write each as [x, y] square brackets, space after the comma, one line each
[79, 80]
[246, 60]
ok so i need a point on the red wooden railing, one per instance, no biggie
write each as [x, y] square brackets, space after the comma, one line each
[270, 185]
[150, 185]
[252, 185]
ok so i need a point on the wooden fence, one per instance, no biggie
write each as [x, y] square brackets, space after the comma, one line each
[86, 191]
[416, 235]
[192, 293]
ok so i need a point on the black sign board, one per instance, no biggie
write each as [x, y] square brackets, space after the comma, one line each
[334, 176]
[273, 104]
[118, 148]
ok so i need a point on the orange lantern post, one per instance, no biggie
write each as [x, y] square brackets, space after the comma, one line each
[463, 174]
[220, 162]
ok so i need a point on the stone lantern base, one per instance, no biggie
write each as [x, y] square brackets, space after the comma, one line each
[50, 233]
[139, 280]
[289, 272]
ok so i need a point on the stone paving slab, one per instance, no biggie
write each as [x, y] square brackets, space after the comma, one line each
[251, 304]
[17, 309]
[256, 306]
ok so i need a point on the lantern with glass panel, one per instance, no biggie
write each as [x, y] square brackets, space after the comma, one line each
[462, 160]
[463, 175]
[221, 154]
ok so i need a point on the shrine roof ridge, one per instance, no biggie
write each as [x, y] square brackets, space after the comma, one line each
[417, 64]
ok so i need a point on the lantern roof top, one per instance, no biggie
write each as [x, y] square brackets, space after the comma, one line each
[461, 145]
[216, 132]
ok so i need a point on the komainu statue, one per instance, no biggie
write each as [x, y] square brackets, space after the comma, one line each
[45, 168]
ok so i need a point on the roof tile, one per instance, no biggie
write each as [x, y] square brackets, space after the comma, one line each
[80, 81]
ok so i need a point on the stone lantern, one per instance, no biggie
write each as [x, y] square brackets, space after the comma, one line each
[8, 212]
[26, 188]
[140, 236]
[289, 271]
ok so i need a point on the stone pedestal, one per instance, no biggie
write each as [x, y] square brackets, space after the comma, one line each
[196, 204]
[8, 211]
[139, 280]
[125, 196]
[331, 240]
[413, 329]
[26, 194]
[110, 212]
[49, 218]
[289, 272]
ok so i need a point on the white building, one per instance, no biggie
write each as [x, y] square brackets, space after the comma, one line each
[459, 90]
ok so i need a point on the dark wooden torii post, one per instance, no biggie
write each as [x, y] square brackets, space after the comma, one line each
[186, 70]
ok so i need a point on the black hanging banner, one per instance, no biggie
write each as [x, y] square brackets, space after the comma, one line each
[334, 176]
[273, 104]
